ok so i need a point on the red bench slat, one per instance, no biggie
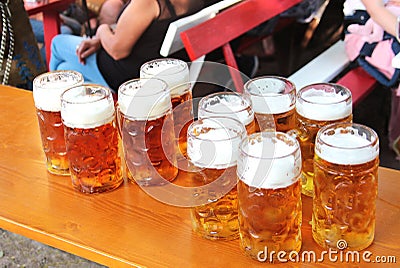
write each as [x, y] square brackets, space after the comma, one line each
[359, 82]
[228, 25]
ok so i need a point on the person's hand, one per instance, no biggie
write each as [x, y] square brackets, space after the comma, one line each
[87, 48]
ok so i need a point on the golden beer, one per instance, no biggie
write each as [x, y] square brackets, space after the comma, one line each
[218, 219]
[175, 73]
[143, 145]
[282, 122]
[91, 138]
[183, 116]
[229, 104]
[269, 194]
[52, 135]
[318, 105]
[273, 100]
[212, 149]
[345, 185]
[47, 89]
[148, 134]
[94, 158]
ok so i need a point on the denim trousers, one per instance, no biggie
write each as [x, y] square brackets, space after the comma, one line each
[38, 32]
[63, 57]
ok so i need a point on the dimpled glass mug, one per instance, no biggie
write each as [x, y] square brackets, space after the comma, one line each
[212, 149]
[345, 186]
[175, 73]
[91, 138]
[273, 100]
[47, 90]
[269, 194]
[318, 105]
[147, 127]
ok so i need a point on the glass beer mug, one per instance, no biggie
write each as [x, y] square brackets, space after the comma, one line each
[47, 90]
[345, 185]
[212, 150]
[273, 100]
[318, 105]
[91, 138]
[175, 73]
[269, 194]
[228, 104]
[147, 127]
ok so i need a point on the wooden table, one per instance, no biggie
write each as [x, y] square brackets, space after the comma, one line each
[51, 19]
[127, 227]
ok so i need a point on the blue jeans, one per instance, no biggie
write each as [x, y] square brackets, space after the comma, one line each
[38, 32]
[63, 57]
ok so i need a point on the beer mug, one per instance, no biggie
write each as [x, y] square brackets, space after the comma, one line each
[318, 105]
[91, 138]
[176, 73]
[147, 127]
[273, 100]
[345, 186]
[269, 194]
[47, 89]
[212, 149]
[229, 104]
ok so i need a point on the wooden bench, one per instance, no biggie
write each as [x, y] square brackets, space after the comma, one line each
[329, 67]
[226, 26]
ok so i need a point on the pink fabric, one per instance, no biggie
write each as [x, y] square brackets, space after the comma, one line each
[353, 45]
[382, 57]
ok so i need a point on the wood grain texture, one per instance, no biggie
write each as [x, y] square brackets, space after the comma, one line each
[126, 227]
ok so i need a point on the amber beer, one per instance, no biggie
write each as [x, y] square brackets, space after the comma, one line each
[345, 185]
[47, 89]
[148, 135]
[175, 73]
[318, 105]
[91, 138]
[269, 194]
[212, 149]
[273, 100]
[182, 106]
[229, 104]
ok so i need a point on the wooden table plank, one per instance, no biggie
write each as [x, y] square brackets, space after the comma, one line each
[126, 227]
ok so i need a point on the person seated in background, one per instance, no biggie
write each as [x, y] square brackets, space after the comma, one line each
[74, 21]
[114, 55]
[384, 21]
[106, 11]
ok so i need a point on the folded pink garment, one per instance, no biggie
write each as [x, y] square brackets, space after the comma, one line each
[382, 56]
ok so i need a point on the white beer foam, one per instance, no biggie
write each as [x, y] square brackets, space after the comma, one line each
[232, 108]
[348, 149]
[216, 148]
[174, 72]
[271, 103]
[268, 96]
[320, 105]
[270, 165]
[90, 112]
[143, 100]
[47, 97]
